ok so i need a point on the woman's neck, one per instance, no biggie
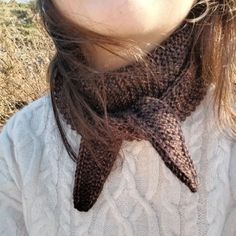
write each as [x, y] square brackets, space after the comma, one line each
[103, 60]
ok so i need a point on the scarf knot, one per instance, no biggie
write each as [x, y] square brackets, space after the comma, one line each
[140, 106]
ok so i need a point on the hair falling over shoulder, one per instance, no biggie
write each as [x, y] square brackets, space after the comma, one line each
[215, 43]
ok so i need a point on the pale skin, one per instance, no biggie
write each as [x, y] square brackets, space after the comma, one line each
[148, 22]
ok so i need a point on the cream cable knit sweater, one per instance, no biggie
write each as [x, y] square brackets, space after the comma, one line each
[140, 197]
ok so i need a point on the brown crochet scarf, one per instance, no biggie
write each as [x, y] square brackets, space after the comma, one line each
[150, 105]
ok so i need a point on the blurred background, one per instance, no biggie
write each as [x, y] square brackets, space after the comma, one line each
[25, 52]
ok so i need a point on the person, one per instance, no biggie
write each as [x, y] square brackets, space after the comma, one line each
[137, 134]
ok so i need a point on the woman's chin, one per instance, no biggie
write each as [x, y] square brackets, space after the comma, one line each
[126, 18]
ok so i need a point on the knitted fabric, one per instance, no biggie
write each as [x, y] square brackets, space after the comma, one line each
[143, 102]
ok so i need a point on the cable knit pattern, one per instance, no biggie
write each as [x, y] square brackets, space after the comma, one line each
[140, 197]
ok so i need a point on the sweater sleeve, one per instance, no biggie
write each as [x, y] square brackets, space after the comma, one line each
[11, 211]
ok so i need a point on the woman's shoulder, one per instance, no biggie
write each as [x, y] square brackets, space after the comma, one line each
[23, 134]
[32, 132]
[26, 130]
[30, 120]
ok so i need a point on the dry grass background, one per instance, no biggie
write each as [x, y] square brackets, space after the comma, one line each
[25, 51]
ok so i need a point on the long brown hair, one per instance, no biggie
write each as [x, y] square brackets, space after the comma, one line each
[215, 41]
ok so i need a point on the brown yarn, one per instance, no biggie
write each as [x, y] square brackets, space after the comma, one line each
[150, 105]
